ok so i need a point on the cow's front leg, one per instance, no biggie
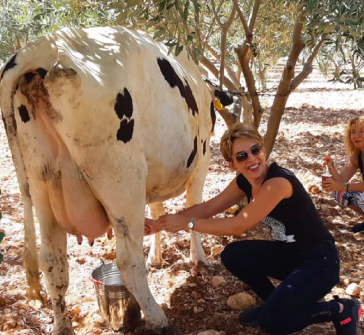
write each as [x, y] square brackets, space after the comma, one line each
[194, 196]
[155, 253]
[54, 264]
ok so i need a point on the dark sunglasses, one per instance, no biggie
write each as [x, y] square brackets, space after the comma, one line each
[242, 156]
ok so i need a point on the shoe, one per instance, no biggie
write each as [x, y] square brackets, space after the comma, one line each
[358, 228]
[346, 322]
[250, 317]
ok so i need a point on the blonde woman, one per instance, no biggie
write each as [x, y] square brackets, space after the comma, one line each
[347, 193]
[302, 255]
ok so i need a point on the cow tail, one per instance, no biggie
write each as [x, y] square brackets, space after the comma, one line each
[30, 254]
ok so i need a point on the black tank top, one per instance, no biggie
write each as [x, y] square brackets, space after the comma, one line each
[360, 163]
[293, 220]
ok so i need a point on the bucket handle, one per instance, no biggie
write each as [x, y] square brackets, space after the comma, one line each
[102, 262]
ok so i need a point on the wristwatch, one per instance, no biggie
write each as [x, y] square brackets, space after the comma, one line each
[191, 224]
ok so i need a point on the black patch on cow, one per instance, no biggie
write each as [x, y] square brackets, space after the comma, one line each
[23, 111]
[42, 72]
[191, 101]
[124, 105]
[193, 153]
[173, 80]
[125, 132]
[29, 77]
[204, 148]
[10, 64]
[213, 116]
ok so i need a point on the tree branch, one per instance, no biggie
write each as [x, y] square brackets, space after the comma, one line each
[241, 16]
[308, 67]
[211, 67]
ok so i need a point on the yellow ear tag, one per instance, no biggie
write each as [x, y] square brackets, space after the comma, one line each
[218, 105]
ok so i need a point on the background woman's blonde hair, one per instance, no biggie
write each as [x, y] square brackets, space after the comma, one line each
[239, 130]
[349, 146]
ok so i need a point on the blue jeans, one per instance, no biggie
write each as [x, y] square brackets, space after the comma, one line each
[307, 274]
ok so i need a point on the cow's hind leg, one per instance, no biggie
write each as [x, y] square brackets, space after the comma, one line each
[53, 259]
[155, 253]
[126, 210]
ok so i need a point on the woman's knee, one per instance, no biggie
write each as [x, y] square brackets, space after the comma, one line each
[233, 254]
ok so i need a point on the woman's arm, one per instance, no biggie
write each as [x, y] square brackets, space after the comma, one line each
[271, 193]
[340, 179]
[231, 195]
[347, 172]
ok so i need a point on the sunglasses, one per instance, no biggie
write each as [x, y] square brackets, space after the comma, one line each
[242, 156]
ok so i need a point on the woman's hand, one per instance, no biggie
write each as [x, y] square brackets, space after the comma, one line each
[332, 185]
[173, 222]
[151, 227]
[328, 161]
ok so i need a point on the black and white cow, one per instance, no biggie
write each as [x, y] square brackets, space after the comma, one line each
[101, 122]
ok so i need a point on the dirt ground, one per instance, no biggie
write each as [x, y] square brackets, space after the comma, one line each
[312, 125]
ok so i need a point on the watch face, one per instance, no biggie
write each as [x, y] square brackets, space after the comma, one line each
[190, 225]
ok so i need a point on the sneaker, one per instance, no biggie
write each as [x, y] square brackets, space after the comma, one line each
[358, 228]
[346, 322]
[250, 317]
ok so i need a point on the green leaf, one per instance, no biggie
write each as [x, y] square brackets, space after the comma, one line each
[185, 11]
[310, 6]
[121, 18]
[196, 5]
[159, 33]
[1, 236]
[355, 33]
[179, 49]
[132, 3]
[328, 28]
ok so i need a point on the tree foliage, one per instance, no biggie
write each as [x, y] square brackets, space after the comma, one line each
[228, 37]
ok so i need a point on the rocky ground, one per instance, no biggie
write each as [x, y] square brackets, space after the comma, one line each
[312, 125]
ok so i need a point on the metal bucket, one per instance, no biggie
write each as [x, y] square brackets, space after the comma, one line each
[117, 305]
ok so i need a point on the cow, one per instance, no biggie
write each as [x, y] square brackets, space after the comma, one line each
[101, 122]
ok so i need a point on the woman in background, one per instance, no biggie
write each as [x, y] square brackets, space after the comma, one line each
[346, 193]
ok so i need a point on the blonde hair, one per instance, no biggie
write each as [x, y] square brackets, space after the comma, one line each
[349, 146]
[239, 130]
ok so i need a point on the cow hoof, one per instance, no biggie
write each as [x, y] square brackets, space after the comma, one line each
[151, 263]
[200, 270]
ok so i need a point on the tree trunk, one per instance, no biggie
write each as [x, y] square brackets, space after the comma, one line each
[284, 87]
[249, 79]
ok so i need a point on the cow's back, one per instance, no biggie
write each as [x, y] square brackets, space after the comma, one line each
[167, 119]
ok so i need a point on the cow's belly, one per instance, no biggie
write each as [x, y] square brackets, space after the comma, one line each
[164, 183]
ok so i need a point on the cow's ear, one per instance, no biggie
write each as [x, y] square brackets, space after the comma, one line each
[232, 166]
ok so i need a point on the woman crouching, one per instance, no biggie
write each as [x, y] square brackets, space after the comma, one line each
[303, 255]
